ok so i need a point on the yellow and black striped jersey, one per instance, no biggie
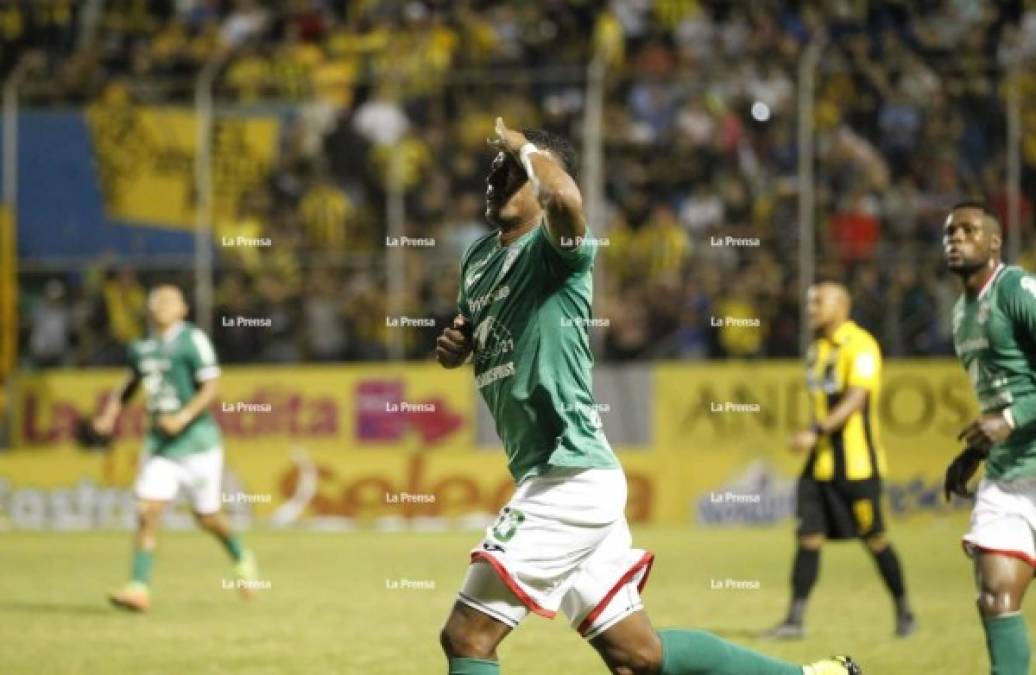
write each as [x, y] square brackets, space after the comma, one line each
[849, 358]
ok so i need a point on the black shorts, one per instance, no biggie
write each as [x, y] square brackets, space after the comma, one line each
[839, 509]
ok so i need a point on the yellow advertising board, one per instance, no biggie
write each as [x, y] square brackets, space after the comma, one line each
[706, 452]
[146, 155]
[398, 441]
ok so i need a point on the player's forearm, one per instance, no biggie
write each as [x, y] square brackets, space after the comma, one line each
[119, 397]
[559, 196]
[201, 400]
[853, 401]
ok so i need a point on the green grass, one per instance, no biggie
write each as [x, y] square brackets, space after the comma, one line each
[329, 610]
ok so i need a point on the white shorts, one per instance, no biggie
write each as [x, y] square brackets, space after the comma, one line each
[562, 542]
[1004, 519]
[199, 475]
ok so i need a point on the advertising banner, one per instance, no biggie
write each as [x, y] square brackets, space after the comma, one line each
[397, 445]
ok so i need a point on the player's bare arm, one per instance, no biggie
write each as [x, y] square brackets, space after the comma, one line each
[854, 400]
[987, 431]
[104, 423]
[555, 190]
[174, 423]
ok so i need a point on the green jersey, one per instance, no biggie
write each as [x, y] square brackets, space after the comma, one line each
[529, 305]
[170, 367]
[994, 334]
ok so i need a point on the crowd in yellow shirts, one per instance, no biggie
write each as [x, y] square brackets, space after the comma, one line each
[700, 137]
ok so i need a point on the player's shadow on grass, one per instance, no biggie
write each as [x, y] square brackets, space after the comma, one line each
[56, 608]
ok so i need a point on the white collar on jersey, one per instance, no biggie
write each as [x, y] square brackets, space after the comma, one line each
[989, 281]
[171, 332]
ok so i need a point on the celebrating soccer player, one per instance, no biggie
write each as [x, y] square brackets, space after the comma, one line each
[839, 492]
[183, 450]
[994, 334]
[562, 542]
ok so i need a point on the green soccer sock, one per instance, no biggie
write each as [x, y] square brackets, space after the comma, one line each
[695, 652]
[234, 547]
[1008, 642]
[142, 561]
[473, 667]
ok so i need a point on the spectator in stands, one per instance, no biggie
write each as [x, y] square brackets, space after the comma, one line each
[49, 338]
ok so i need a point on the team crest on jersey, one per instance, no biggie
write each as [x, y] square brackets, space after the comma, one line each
[1029, 284]
[491, 339]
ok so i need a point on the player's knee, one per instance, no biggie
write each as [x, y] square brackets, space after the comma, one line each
[877, 543]
[643, 658]
[995, 599]
[811, 542]
[148, 515]
[209, 521]
[460, 640]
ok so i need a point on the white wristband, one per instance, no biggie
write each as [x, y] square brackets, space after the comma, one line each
[523, 154]
[527, 149]
[1008, 417]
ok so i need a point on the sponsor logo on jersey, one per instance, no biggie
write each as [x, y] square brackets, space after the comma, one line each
[1029, 284]
[493, 374]
[485, 299]
[475, 273]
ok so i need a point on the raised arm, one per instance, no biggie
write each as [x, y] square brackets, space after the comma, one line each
[555, 190]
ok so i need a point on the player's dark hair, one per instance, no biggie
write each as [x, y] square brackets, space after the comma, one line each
[979, 205]
[557, 145]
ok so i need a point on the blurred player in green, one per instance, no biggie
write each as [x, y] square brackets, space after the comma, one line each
[183, 449]
[562, 542]
[994, 335]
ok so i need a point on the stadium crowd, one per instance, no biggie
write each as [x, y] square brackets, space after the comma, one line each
[700, 145]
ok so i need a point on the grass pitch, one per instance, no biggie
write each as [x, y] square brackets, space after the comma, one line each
[372, 603]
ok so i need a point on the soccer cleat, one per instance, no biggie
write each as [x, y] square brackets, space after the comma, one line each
[786, 630]
[134, 596]
[906, 624]
[836, 665]
[247, 573]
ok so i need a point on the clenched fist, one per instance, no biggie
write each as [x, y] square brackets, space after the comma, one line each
[454, 345]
